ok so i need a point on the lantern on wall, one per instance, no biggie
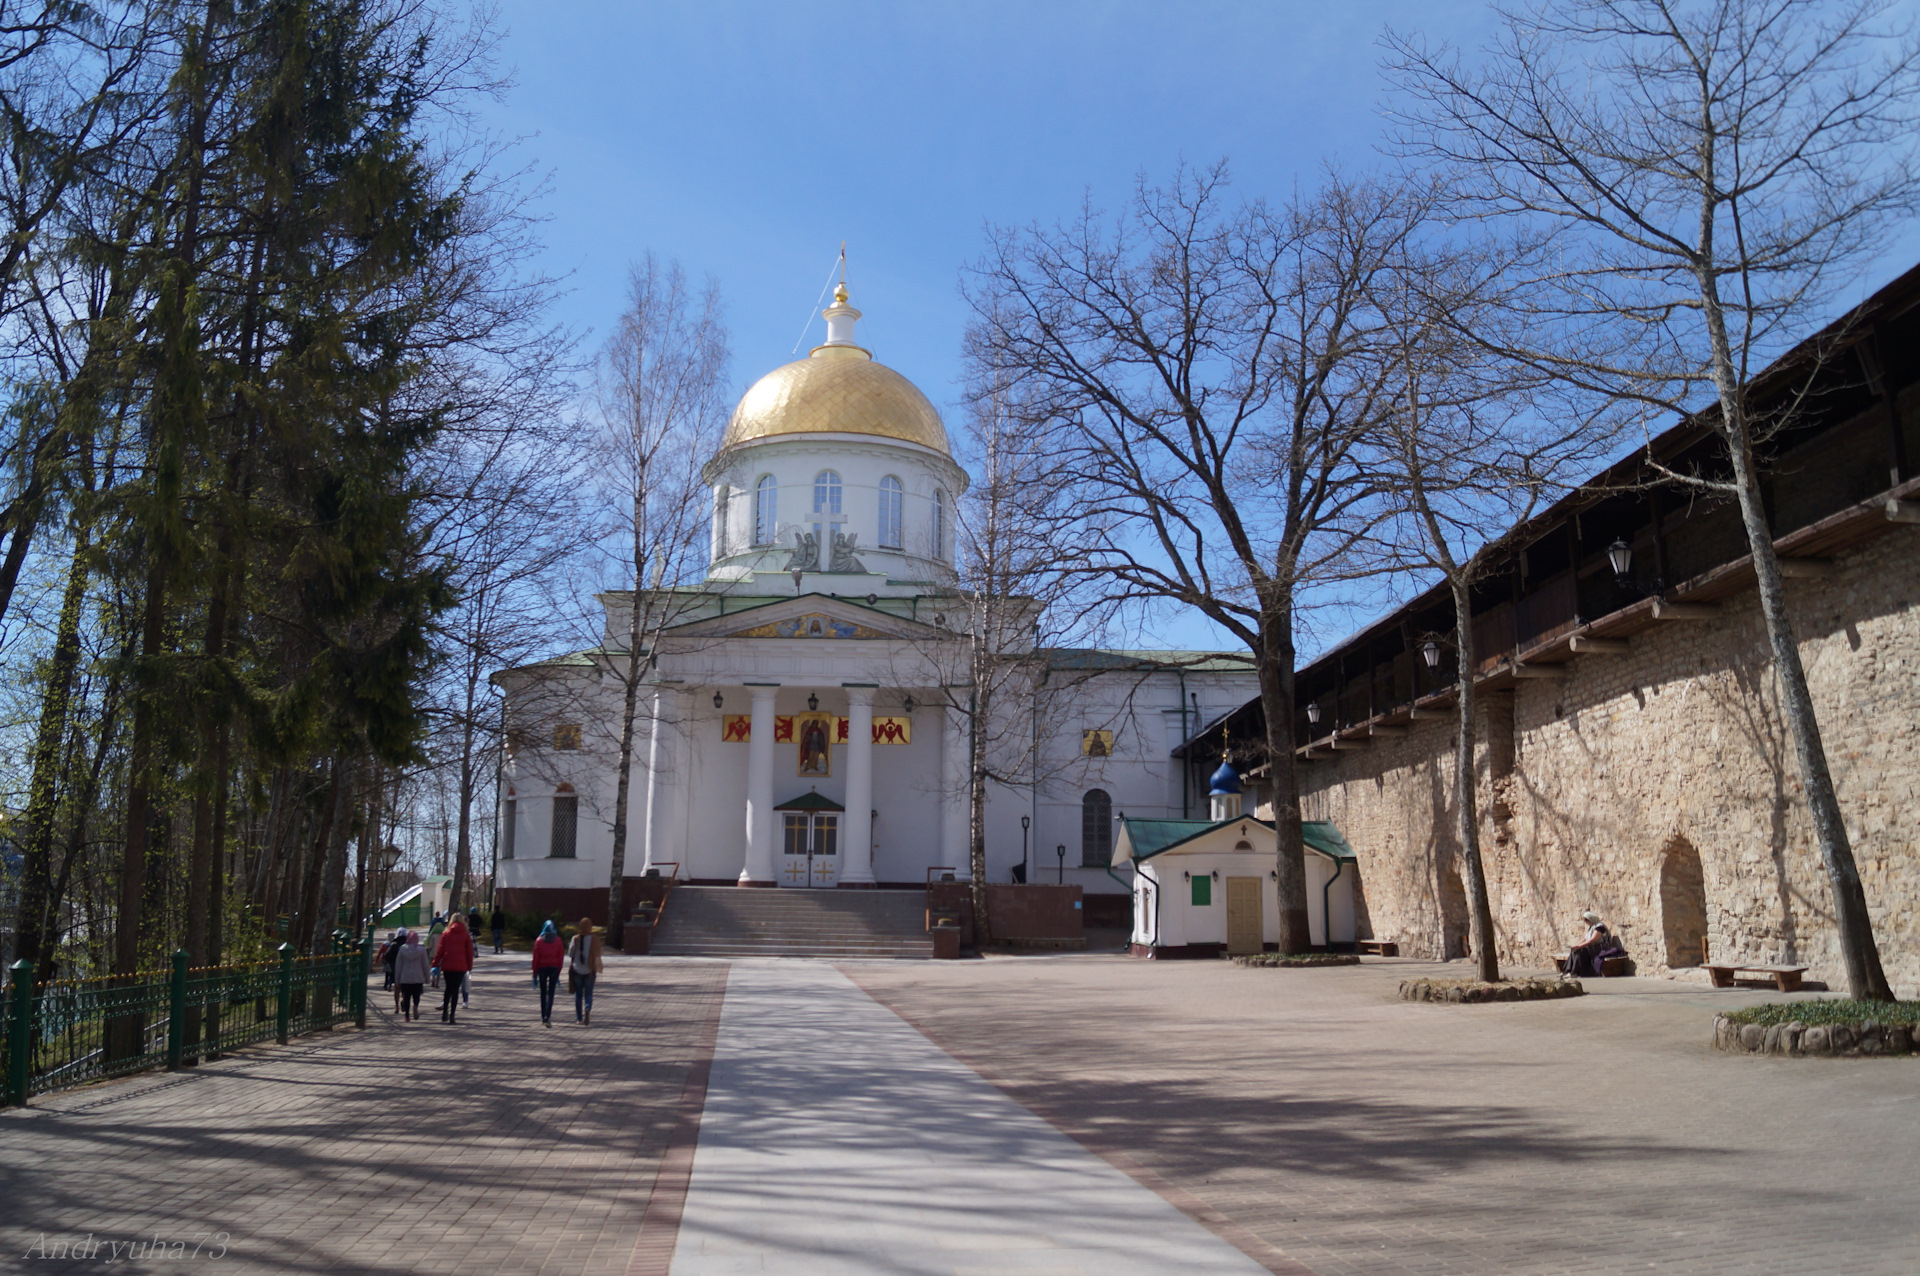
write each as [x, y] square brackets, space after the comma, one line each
[1620, 555]
[719, 701]
[1430, 652]
[1313, 712]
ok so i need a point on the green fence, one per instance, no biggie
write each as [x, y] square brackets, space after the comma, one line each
[67, 1033]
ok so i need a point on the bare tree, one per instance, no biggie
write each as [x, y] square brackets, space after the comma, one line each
[1473, 446]
[662, 402]
[1023, 559]
[1209, 371]
[1711, 174]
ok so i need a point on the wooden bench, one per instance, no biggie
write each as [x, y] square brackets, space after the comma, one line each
[1378, 947]
[1610, 967]
[1785, 978]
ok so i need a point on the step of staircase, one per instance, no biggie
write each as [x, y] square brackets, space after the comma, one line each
[729, 921]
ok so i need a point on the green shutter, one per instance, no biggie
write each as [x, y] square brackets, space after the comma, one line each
[1202, 891]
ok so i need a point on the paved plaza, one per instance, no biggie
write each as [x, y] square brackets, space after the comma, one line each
[1066, 1114]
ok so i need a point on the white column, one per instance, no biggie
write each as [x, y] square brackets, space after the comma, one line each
[856, 853]
[668, 766]
[953, 786]
[758, 869]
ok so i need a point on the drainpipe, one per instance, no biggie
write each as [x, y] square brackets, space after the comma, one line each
[1326, 913]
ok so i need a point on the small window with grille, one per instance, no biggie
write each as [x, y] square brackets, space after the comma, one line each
[566, 825]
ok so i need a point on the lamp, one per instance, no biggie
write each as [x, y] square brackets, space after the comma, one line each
[1430, 651]
[907, 704]
[1620, 555]
[796, 580]
[1216, 874]
[719, 701]
[1061, 851]
[872, 599]
[813, 702]
[1026, 822]
[1313, 712]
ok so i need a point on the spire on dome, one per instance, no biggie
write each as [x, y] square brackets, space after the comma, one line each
[840, 316]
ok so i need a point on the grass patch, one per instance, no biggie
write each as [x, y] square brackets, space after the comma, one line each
[1298, 959]
[1835, 1010]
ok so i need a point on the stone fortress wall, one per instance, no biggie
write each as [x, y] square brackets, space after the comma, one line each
[1658, 787]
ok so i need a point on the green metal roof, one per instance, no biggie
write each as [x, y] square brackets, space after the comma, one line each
[810, 802]
[1155, 837]
[1323, 837]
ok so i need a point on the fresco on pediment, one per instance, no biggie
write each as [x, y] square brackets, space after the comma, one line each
[811, 625]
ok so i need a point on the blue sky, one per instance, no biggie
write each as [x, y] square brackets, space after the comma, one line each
[747, 140]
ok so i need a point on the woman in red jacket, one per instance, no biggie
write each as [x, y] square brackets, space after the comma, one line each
[549, 955]
[454, 956]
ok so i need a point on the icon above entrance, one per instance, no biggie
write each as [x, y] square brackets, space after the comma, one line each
[811, 845]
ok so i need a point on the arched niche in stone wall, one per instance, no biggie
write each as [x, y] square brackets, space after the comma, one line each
[1683, 904]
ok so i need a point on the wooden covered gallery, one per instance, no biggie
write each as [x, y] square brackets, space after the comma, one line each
[1632, 755]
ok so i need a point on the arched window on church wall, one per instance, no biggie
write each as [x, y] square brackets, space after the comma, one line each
[566, 823]
[940, 523]
[722, 498]
[766, 510]
[891, 498]
[1096, 829]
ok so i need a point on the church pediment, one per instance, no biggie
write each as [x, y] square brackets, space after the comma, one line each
[813, 618]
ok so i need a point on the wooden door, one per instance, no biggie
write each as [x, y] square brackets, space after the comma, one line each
[1243, 916]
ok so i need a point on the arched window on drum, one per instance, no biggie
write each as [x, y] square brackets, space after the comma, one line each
[766, 510]
[892, 499]
[826, 492]
[940, 520]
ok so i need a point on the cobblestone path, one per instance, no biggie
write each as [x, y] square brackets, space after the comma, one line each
[490, 1146]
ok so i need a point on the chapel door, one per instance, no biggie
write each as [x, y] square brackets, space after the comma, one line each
[1243, 916]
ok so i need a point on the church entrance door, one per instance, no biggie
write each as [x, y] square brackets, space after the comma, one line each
[812, 850]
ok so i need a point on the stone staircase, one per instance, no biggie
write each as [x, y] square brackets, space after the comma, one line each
[731, 921]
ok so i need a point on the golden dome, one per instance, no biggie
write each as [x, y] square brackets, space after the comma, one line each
[838, 389]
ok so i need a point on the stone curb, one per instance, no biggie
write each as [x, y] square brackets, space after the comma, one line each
[1459, 992]
[1297, 961]
[1844, 1040]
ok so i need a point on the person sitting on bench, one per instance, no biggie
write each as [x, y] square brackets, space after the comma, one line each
[1585, 957]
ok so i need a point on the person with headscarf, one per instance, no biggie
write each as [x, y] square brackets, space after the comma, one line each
[549, 955]
[410, 967]
[453, 955]
[1585, 957]
[583, 965]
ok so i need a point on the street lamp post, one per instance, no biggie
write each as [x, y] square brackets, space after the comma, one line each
[1026, 821]
[1061, 851]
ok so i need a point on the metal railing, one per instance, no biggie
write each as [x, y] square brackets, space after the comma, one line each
[69, 1032]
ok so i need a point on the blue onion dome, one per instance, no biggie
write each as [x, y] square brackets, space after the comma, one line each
[1225, 780]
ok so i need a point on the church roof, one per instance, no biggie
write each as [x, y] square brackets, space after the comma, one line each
[836, 389]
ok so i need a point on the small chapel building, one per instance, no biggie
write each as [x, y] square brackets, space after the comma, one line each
[805, 719]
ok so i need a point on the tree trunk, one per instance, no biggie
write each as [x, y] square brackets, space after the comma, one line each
[623, 782]
[139, 816]
[1466, 815]
[38, 901]
[334, 884]
[977, 816]
[1274, 665]
[1866, 980]
[315, 863]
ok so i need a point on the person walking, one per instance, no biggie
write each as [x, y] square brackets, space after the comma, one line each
[549, 954]
[583, 961]
[454, 957]
[473, 960]
[389, 953]
[410, 968]
[499, 930]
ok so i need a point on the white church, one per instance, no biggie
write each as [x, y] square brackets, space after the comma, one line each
[802, 723]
